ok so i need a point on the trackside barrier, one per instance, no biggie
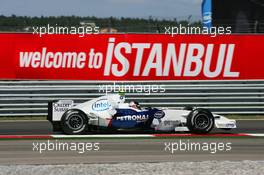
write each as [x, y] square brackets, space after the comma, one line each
[30, 98]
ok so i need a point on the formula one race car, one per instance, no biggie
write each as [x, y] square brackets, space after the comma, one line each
[111, 112]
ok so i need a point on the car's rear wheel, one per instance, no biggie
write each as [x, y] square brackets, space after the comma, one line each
[74, 122]
[200, 121]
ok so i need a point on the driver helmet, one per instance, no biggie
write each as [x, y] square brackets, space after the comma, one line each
[134, 104]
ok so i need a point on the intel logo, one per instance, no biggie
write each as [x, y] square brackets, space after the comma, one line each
[159, 114]
[101, 105]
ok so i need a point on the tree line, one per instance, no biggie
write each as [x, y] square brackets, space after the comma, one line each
[15, 23]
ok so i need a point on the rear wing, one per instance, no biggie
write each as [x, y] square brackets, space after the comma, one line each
[57, 108]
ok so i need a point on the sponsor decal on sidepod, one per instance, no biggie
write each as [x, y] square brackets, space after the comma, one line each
[159, 114]
[133, 117]
[101, 105]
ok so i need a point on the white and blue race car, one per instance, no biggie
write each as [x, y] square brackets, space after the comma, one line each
[111, 112]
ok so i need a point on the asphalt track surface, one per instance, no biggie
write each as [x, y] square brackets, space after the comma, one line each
[127, 150]
[130, 150]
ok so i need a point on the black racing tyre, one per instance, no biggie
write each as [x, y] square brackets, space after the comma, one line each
[74, 121]
[200, 121]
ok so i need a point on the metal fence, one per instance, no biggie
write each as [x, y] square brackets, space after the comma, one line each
[30, 98]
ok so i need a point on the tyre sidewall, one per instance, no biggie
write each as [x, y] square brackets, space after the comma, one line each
[66, 116]
[192, 117]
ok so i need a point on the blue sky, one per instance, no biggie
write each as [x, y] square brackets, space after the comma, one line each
[103, 8]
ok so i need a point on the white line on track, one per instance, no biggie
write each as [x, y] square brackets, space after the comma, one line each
[256, 135]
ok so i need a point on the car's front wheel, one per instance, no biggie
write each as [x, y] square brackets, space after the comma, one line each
[74, 122]
[200, 121]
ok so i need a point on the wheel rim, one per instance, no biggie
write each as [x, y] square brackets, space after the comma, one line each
[201, 121]
[75, 122]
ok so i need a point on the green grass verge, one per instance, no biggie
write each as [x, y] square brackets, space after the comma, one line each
[23, 118]
[245, 116]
